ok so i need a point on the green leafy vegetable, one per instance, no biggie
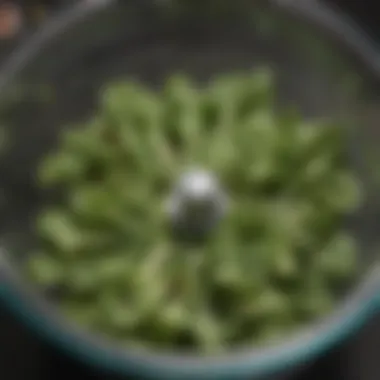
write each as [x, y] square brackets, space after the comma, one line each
[274, 262]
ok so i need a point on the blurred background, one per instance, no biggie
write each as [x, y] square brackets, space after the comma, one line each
[24, 357]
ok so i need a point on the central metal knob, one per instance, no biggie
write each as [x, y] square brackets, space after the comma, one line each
[196, 204]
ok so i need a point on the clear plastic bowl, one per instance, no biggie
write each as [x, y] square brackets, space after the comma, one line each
[323, 64]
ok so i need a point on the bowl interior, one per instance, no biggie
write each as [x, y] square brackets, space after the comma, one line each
[60, 81]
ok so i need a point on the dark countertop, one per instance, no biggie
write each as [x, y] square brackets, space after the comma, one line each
[24, 357]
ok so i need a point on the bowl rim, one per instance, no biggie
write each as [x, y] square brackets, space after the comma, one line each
[349, 316]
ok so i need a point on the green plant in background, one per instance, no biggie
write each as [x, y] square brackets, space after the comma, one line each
[275, 261]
